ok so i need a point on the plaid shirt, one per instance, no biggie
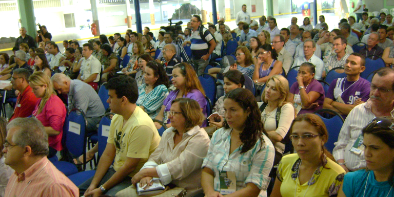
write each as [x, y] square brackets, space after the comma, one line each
[333, 62]
[253, 166]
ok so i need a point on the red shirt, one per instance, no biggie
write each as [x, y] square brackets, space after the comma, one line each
[25, 104]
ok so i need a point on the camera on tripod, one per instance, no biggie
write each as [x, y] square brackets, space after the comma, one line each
[39, 26]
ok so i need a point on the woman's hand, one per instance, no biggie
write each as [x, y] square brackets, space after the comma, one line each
[212, 122]
[300, 80]
[214, 194]
[313, 105]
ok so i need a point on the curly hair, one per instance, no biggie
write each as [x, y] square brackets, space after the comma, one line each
[159, 72]
[248, 55]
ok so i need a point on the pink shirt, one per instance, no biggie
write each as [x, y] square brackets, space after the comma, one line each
[41, 179]
[53, 115]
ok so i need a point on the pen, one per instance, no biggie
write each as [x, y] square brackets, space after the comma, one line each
[147, 184]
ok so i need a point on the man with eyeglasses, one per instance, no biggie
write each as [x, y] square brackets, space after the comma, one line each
[169, 54]
[349, 150]
[309, 56]
[25, 150]
[346, 93]
[300, 48]
[131, 140]
[26, 100]
[339, 59]
[283, 55]
[290, 46]
[372, 49]
[168, 39]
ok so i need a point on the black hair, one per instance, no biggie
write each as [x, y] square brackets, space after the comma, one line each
[213, 26]
[374, 27]
[197, 17]
[23, 72]
[70, 50]
[123, 40]
[253, 129]
[54, 45]
[117, 34]
[286, 30]
[150, 34]
[103, 39]
[343, 39]
[111, 38]
[44, 60]
[97, 42]
[134, 33]
[268, 47]
[235, 76]
[124, 85]
[312, 68]
[107, 48]
[147, 28]
[159, 72]
[88, 45]
[245, 26]
[383, 27]
[76, 43]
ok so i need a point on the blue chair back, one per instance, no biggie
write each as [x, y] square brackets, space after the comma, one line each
[231, 46]
[75, 138]
[333, 74]
[291, 75]
[333, 125]
[209, 106]
[188, 51]
[234, 35]
[238, 38]
[358, 46]
[325, 86]
[103, 131]
[125, 61]
[222, 49]
[370, 77]
[209, 85]
[249, 84]
[207, 68]
[371, 66]
[103, 94]
[157, 53]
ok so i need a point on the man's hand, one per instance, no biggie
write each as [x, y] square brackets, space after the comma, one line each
[205, 57]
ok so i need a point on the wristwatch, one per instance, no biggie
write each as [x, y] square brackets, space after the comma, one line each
[300, 87]
[102, 188]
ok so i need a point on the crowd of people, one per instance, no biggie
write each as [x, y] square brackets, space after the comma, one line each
[152, 86]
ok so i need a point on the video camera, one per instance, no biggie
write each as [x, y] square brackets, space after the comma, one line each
[39, 26]
[175, 28]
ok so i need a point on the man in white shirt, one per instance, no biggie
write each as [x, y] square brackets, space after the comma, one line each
[283, 55]
[254, 25]
[263, 24]
[289, 45]
[389, 20]
[300, 48]
[348, 150]
[133, 39]
[359, 10]
[57, 56]
[321, 20]
[309, 49]
[294, 21]
[221, 21]
[243, 16]
[272, 28]
[384, 42]
[354, 25]
[218, 37]
[364, 20]
[90, 67]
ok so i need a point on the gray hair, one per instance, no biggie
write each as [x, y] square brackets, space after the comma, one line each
[30, 133]
[23, 72]
[313, 42]
[375, 34]
[59, 78]
[374, 21]
[172, 47]
[23, 28]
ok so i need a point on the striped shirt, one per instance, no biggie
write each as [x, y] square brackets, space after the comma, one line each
[357, 119]
[246, 70]
[253, 166]
[152, 101]
[199, 46]
[333, 62]
[41, 179]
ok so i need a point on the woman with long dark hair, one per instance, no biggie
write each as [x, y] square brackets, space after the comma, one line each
[241, 147]
[103, 39]
[42, 65]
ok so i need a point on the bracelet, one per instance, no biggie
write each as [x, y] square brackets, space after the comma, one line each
[102, 188]
[341, 163]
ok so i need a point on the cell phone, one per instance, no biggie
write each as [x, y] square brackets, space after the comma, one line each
[216, 117]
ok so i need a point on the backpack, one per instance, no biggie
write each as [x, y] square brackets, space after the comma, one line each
[286, 139]
[201, 32]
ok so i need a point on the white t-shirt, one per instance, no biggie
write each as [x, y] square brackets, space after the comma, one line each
[359, 3]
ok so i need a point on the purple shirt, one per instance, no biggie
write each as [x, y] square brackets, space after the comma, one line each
[313, 86]
[194, 94]
[348, 91]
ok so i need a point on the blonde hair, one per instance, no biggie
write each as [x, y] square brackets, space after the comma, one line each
[140, 47]
[282, 85]
[40, 79]
[267, 37]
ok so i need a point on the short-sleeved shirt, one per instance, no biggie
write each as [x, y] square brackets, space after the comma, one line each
[25, 104]
[83, 97]
[152, 101]
[315, 86]
[106, 60]
[319, 65]
[53, 115]
[199, 47]
[246, 70]
[308, 27]
[343, 91]
[351, 40]
[273, 32]
[194, 94]
[386, 43]
[137, 138]
[333, 62]
[55, 60]
[354, 185]
[90, 66]
[252, 166]
[170, 65]
[325, 181]
[375, 53]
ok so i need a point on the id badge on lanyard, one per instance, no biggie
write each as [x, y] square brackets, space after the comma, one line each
[358, 146]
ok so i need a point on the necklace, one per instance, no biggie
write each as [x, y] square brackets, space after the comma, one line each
[343, 85]
[366, 183]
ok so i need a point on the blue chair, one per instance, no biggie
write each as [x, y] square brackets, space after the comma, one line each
[234, 35]
[75, 141]
[103, 94]
[238, 38]
[249, 84]
[222, 52]
[231, 46]
[333, 124]
[207, 68]
[53, 159]
[291, 75]
[209, 85]
[157, 53]
[325, 86]
[333, 74]
[371, 66]
[209, 106]
[358, 46]
[188, 51]
[125, 61]
[369, 78]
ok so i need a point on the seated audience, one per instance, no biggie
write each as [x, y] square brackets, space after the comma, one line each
[277, 114]
[345, 30]
[32, 54]
[26, 100]
[355, 26]
[50, 110]
[388, 55]
[254, 46]
[152, 93]
[160, 41]
[73, 62]
[244, 143]
[272, 28]
[168, 39]
[4, 59]
[246, 34]
[266, 64]
[244, 61]
[322, 20]
[377, 179]
[306, 24]
[372, 49]
[24, 47]
[103, 39]
[327, 46]
[19, 58]
[374, 28]
[233, 79]
[170, 57]
[348, 149]
[217, 52]
[138, 50]
[148, 47]
[290, 46]
[283, 55]
[295, 35]
[142, 61]
[121, 45]
[178, 158]
[311, 171]
[97, 49]
[41, 64]
[187, 85]
[27, 137]
[309, 56]
[57, 56]
[264, 37]
[109, 61]
[306, 94]
[339, 59]
[346, 93]
[306, 35]
[384, 42]
[90, 67]
[132, 139]
[238, 30]
[5, 170]
[390, 33]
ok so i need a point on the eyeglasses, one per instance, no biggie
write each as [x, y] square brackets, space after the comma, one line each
[239, 54]
[373, 88]
[306, 136]
[172, 113]
[6, 145]
[381, 122]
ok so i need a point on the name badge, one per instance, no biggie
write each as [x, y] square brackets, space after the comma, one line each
[357, 93]
[358, 146]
